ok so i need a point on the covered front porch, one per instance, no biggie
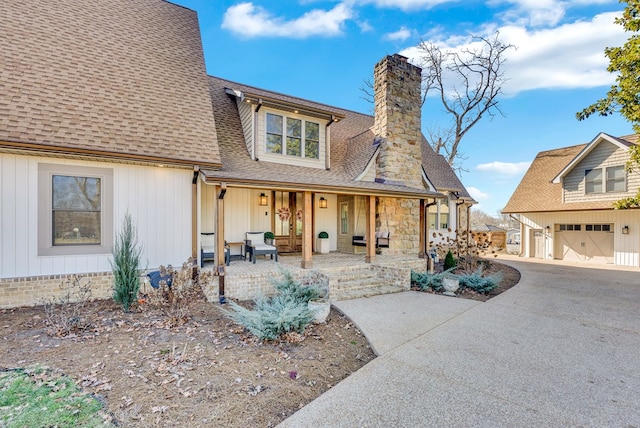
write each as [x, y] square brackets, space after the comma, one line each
[349, 275]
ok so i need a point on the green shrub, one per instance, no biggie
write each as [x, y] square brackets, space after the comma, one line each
[449, 261]
[323, 235]
[269, 235]
[478, 283]
[126, 264]
[286, 311]
[425, 281]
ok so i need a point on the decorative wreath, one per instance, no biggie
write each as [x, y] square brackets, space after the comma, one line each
[284, 213]
[299, 215]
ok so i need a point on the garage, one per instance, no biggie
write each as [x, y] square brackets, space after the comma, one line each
[584, 242]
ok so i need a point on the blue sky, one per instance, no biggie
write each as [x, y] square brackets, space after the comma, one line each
[325, 50]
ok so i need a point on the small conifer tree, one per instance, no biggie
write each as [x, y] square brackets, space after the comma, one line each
[449, 261]
[126, 264]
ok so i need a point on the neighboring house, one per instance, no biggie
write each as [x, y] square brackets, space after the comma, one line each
[106, 108]
[565, 204]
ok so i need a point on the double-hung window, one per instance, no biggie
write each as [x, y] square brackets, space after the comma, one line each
[75, 210]
[593, 180]
[616, 179]
[292, 137]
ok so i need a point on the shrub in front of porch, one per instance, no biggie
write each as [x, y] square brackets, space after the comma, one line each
[286, 311]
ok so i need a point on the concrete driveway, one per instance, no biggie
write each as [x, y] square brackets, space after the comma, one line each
[560, 349]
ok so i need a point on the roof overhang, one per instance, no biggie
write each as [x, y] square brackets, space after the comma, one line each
[285, 105]
[319, 188]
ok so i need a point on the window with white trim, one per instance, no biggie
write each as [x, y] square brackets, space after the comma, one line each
[292, 137]
[438, 216]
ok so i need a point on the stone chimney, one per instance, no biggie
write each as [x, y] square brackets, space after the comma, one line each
[397, 121]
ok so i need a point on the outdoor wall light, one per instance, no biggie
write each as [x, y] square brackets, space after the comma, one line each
[263, 200]
[322, 203]
[625, 230]
[548, 228]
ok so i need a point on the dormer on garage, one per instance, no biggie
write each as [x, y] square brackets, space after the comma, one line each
[285, 131]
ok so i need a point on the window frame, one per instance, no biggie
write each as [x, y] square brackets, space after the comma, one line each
[285, 136]
[593, 182]
[344, 218]
[615, 180]
[46, 246]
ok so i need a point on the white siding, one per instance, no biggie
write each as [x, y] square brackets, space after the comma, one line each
[326, 219]
[159, 199]
[626, 248]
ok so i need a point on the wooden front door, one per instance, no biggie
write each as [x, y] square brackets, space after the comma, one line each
[288, 221]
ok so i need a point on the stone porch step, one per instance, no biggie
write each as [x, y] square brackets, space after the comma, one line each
[359, 281]
[347, 294]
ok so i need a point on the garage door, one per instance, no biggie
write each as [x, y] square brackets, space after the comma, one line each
[584, 242]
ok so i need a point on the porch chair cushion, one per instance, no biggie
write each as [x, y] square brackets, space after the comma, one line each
[208, 246]
[255, 246]
[382, 239]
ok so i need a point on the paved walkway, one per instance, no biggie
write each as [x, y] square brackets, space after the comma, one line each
[561, 349]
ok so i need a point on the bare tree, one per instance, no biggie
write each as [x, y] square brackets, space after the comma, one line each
[468, 83]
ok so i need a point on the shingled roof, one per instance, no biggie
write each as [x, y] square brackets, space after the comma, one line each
[117, 78]
[352, 149]
[537, 193]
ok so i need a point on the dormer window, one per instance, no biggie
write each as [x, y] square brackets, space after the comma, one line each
[612, 181]
[292, 137]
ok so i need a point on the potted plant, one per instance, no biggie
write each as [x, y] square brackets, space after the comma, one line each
[323, 244]
[269, 238]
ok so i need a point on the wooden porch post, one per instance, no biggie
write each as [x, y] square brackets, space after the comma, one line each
[220, 262]
[371, 229]
[422, 253]
[307, 231]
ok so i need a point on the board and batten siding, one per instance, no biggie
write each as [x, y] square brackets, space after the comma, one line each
[158, 199]
[603, 155]
[626, 248]
[261, 136]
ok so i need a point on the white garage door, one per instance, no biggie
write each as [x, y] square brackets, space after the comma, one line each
[584, 242]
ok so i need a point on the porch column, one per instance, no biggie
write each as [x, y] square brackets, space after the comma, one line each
[219, 259]
[307, 231]
[371, 229]
[422, 245]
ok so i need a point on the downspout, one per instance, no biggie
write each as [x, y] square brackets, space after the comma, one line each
[194, 214]
[220, 256]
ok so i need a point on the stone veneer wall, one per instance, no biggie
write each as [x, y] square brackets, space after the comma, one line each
[401, 218]
[35, 290]
[397, 120]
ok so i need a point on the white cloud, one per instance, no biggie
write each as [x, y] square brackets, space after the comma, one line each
[402, 34]
[405, 5]
[568, 56]
[478, 194]
[248, 20]
[504, 168]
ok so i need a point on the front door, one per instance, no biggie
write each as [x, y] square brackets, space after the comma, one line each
[288, 221]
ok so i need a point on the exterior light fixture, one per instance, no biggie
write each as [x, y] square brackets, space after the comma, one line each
[625, 230]
[322, 203]
[263, 200]
[548, 228]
